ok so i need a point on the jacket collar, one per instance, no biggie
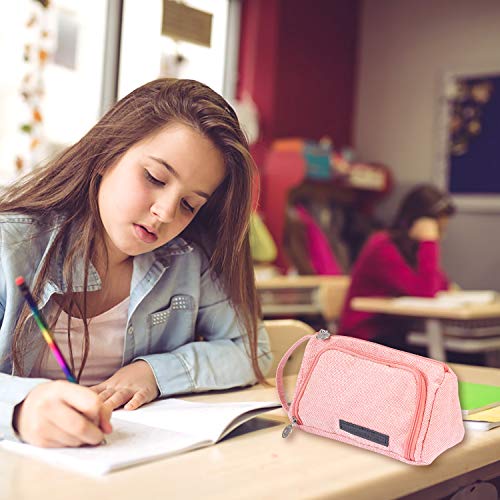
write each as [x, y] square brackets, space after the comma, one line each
[56, 282]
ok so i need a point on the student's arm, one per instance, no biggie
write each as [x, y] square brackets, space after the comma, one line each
[389, 266]
[13, 391]
[295, 242]
[221, 360]
[43, 412]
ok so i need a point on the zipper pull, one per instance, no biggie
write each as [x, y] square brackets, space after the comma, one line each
[289, 428]
[323, 334]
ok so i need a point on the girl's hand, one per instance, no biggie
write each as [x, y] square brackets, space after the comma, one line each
[424, 229]
[132, 386]
[59, 413]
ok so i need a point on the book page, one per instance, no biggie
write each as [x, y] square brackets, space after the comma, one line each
[207, 421]
[128, 444]
[474, 425]
[158, 429]
[491, 415]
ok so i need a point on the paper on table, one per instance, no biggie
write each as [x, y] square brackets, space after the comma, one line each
[449, 299]
[159, 429]
[210, 421]
[128, 444]
[483, 420]
[469, 296]
[491, 415]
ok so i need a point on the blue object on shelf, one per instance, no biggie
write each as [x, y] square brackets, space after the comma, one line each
[318, 157]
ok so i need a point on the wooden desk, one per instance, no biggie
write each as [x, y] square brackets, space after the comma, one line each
[262, 465]
[433, 317]
[303, 295]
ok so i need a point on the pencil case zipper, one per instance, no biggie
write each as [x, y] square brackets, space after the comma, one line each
[421, 394]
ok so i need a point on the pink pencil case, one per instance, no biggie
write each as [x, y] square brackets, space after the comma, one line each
[374, 397]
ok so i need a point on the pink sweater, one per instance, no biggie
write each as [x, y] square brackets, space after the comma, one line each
[381, 271]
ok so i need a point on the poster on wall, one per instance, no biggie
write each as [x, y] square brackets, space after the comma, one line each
[468, 156]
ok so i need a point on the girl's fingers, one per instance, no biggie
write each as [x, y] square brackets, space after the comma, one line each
[138, 400]
[74, 428]
[118, 398]
[64, 438]
[55, 437]
[81, 399]
[61, 413]
[105, 419]
[104, 394]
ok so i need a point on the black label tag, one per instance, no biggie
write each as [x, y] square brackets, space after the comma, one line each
[364, 433]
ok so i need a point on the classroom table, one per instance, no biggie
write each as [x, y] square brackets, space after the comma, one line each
[434, 317]
[262, 465]
[282, 296]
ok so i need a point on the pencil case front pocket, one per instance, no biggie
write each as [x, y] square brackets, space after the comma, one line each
[374, 397]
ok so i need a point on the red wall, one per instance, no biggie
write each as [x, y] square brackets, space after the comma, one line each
[316, 69]
[298, 62]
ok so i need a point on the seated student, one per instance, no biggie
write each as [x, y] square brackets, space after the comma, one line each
[135, 243]
[401, 261]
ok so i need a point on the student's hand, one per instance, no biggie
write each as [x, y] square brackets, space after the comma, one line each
[59, 414]
[424, 229]
[133, 385]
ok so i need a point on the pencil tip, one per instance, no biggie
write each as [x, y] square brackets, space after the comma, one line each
[19, 281]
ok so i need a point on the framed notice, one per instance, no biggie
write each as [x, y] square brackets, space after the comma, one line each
[468, 153]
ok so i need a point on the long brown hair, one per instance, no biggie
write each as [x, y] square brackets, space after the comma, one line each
[424, 200]
[69, 185]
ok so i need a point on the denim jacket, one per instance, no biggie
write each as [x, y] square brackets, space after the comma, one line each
[173, 299]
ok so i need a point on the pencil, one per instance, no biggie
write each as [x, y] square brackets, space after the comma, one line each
[45, 329]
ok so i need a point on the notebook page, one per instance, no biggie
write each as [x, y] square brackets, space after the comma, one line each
[207, 421]
[490, 415]
[128, 444]
[476, 425]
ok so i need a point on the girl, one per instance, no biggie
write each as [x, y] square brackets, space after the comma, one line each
[135, 244]
[401, 261]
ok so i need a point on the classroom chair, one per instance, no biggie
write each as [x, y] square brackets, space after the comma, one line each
[282, 334]
[305, 296]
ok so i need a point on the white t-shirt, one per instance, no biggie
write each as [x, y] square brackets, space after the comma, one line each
[107, 336]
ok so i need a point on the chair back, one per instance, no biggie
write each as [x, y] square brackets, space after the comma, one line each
[282, 334]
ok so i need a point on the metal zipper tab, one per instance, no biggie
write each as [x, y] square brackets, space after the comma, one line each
[323, 334]
[289, 428]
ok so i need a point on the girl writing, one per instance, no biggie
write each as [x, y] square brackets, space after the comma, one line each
[135, 244]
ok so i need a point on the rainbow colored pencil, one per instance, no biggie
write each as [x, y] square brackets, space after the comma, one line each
[45, 329]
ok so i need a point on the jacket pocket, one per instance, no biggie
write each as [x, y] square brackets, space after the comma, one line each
[173, 326]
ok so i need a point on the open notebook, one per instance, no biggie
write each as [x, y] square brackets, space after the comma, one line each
[159, 429]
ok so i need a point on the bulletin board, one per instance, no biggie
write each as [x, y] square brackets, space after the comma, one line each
[468, 161]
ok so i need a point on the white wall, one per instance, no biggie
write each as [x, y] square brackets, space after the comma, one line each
[11, 50]
[146, 54]
[405, 45]
[70, 105]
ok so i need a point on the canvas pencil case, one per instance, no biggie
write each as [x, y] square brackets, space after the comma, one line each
[372, 396]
